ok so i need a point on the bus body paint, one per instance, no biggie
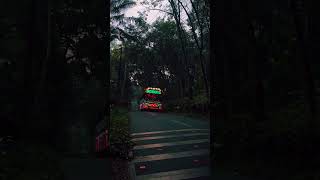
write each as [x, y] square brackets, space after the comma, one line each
[151, 99]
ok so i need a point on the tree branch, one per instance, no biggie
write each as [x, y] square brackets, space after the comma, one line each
[155, 9]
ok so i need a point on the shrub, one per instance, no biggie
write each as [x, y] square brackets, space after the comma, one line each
[120, 140]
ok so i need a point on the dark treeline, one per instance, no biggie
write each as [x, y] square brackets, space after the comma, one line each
[266, 82]
[54, 68]
[171, 53]
[54, 71]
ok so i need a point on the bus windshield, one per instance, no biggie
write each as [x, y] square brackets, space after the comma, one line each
[152, 94]
[152, 97]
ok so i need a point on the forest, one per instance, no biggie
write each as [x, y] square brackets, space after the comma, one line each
[266, 84]
[63, 62]
[171, 53]
[54, 72]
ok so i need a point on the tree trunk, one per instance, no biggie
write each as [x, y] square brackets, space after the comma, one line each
[299, 15]
[37, 44]
[40, 100]
[176, 15]
[199, 45]
[200, 24]
[124, 82]
[28, 81]
[120, 71]
[257, 103]
[227, 81]
[204, 74]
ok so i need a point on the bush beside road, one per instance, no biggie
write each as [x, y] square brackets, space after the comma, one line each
[120, 142]
[196, 107]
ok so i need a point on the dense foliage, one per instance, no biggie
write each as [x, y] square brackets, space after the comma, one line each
[266, 81]
[54, 68]
[169, 53]
[120, 138]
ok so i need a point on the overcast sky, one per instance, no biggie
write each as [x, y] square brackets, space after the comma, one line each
[151, 15]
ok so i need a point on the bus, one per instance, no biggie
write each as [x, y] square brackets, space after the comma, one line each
[151, 100]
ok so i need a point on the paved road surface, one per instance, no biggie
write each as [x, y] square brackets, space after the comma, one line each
[169, 147]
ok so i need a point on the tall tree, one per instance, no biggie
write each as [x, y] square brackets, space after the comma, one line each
[301, 23]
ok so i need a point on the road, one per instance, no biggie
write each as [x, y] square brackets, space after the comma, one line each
[169, 146]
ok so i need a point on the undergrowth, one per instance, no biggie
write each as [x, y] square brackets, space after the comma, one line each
[120, 140]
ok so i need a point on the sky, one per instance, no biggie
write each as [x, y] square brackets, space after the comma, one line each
[133, 11]
[151, 16]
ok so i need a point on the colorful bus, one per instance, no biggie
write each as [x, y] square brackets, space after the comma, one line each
[151, 100]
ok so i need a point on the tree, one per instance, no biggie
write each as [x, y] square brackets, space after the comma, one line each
[116, 16]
